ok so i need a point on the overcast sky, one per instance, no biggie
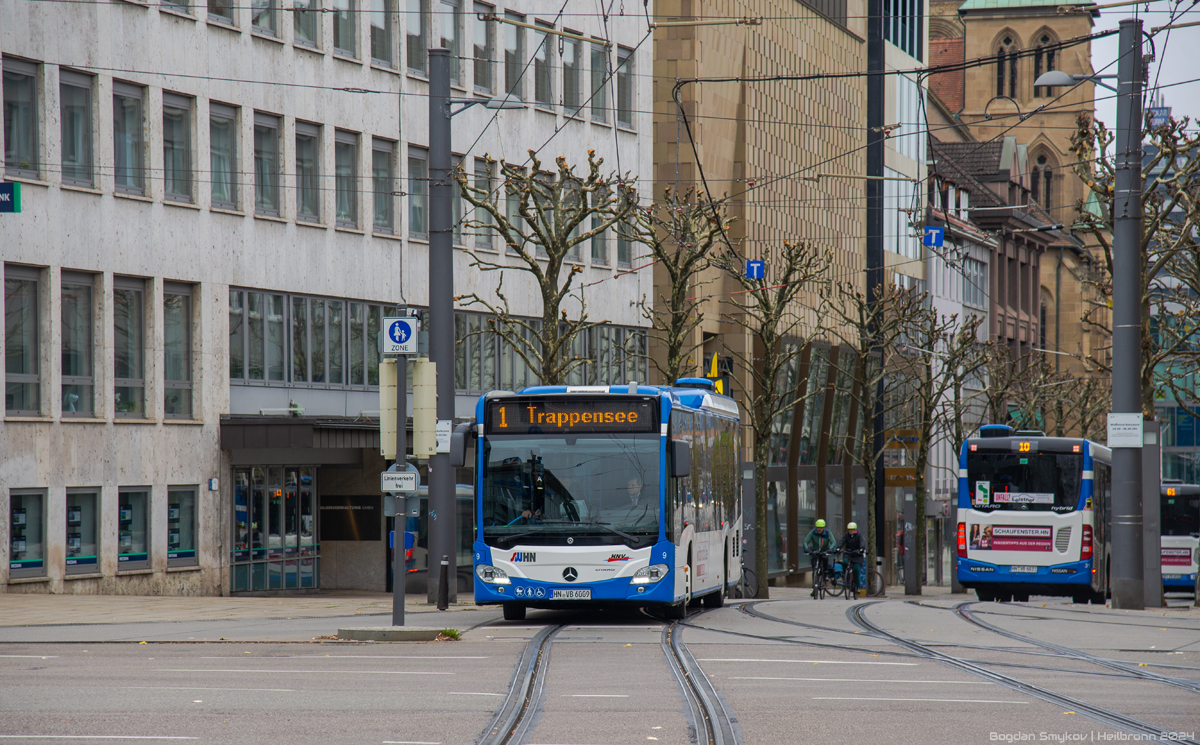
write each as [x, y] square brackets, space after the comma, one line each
[1178, 58]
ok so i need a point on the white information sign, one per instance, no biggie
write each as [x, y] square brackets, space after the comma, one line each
[398, 481]
[1125, 430]
[444, 427]
[400, 335]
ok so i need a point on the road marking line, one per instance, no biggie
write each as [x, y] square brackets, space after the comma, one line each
[939, 700]
[33, 656]
[96, 737]
[348, 656]
[473, 693]
[200, 688]
[409, 742]
[804, 662]
[320, 672]
[595, 695]
[860, 680]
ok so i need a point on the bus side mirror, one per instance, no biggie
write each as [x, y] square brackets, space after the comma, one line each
[458, 445]
[681, 459]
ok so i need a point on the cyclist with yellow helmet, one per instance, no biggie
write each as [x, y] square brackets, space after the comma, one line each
[817, 543]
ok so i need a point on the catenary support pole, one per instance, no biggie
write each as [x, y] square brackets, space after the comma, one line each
[1126, 579]
[1152, 516]
[400, 521]
[875, 114]
[441, 317]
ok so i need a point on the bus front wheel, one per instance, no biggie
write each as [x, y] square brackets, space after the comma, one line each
[514, 612]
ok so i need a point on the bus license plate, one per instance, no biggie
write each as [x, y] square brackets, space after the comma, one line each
[571, 595]
[1023, 570]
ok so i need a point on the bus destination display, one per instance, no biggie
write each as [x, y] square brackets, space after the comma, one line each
[518, 416]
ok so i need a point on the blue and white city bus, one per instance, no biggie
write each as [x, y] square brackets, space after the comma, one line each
[1180, 515]
[1033, 515]
[606, 496]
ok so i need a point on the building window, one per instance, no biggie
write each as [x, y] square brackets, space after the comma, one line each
[129, 341]
[133, 529]
[624, 247]
[571, 75]
[177, 147]
[22, 389]
[308, 172]
[26, 534]
[266, 164]
[306, 26]
[599, 83]
[543, 65]
[221, 11]
[514, 54]
[485, 183]
[414, 22]
[129, 145]
[449, 22]
[344, 15]
[1041, 182]
[345, 154]
[262, 16]
[177, 350]
[485, 46]
[1044, 61]
[382, 12]
[275, 509]
[20, 118]
[83, 519]
[599, 243]
[182, 526]
[625, 99]
[257, 336]
[181, 6]
[383, 184]
[76, 346]
[975, 283]
[1006, 68]
[418, 192]
[903, 25]
[222, 147]
[75, 109]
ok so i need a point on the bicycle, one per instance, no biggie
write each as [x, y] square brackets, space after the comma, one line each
[823, 579]
[849, 577]
[749, 584]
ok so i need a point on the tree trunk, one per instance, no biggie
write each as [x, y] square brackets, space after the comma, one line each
[760, 514]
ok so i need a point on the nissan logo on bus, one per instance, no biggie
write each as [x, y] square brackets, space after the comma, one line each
[570, 575]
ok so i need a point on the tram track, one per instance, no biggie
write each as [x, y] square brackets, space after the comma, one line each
[1100, 714]
[961, 610]
[713, 722]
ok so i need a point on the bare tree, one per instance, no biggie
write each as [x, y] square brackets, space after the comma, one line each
[770, 312]
[679, 234]
[542, 219]
[1169, 246]
[946, 351]
[872, 331]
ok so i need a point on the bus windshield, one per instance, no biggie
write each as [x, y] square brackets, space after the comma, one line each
[1033, 482]
[596, 489]
[1181, 516]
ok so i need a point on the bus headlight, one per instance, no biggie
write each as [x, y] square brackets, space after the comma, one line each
[492, 575]
[650, 574]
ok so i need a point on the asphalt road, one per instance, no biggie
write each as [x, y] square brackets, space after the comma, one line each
[806, 673]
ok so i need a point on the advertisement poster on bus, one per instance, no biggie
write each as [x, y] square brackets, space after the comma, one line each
[1176, 557]
[1011, 538]
[1017, 497]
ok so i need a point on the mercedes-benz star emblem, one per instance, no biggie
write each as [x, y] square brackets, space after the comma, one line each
[570, 575]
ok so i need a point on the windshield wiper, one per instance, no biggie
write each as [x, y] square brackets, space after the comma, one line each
[626, 536]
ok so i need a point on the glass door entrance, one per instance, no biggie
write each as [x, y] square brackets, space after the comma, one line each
[275, 529]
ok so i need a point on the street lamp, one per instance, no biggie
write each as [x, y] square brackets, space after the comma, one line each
[442, 507]
[1058, 78]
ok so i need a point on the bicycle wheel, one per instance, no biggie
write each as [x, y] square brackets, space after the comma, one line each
[875, 585]
[819, 583]
[749, 582]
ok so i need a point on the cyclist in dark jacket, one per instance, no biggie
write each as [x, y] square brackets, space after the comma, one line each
[819, 538]
[855, 549]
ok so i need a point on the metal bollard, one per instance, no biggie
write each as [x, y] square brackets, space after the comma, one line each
[443, 590]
